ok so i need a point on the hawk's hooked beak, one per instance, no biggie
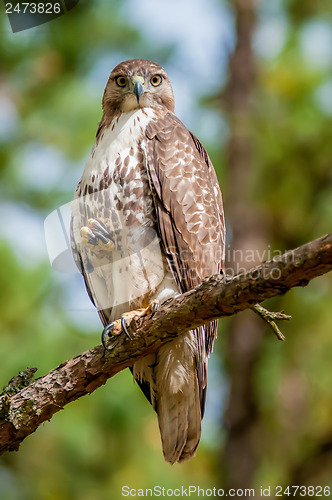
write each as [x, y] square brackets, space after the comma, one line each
[138, 82]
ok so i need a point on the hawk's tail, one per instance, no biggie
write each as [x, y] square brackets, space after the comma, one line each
[170, 378]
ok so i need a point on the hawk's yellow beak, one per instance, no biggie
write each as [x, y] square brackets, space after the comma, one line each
[138, 82]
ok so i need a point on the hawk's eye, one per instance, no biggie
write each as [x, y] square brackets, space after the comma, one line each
[156, 80]
[121, 81]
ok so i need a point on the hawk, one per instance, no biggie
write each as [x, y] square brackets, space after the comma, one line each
[147, 225]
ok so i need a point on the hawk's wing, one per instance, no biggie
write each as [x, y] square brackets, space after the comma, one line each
[189, 212]
[187, 201]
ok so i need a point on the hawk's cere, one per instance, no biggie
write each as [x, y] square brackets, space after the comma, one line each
[147, 224]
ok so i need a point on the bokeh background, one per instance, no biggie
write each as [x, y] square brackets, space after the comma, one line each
[253, 80]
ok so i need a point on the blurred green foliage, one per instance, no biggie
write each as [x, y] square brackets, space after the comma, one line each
[111, 438]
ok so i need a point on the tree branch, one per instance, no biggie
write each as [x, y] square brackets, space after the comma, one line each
[216, 297]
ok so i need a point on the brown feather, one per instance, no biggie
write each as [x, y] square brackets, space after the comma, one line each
[177, 162]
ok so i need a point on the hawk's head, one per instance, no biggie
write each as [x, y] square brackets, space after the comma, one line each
[135, 84]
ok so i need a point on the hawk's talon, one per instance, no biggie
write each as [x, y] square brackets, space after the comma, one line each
[97, 238]
[101, 237]
[110, 328]
[88, 237]
[128, 317]
[98, 228]
[107, 332]
[155, 306]
[124, 327]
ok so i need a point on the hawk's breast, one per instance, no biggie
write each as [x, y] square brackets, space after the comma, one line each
[115, 190]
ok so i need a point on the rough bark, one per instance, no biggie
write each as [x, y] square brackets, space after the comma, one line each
[216, 297]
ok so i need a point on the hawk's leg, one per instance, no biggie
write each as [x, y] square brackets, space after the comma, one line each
[122, 325]
[97, 238]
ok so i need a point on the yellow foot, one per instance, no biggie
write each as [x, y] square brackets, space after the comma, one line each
[152, 308]
[122, 325]
[97, 238]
